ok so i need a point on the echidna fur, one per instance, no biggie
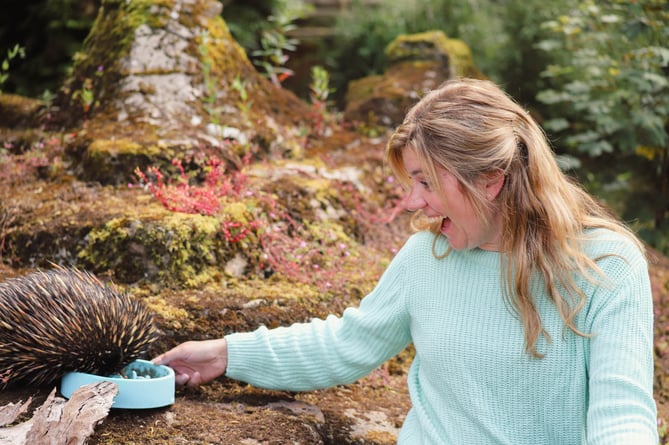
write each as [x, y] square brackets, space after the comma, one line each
[66, 319]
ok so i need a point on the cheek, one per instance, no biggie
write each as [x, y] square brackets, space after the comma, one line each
[437, 203]
[464, 215]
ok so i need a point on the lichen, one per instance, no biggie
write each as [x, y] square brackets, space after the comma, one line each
[277, 288]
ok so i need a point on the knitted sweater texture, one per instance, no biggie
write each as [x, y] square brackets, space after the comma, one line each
[471, 381]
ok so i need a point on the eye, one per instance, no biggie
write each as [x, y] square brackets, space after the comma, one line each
[422, 181]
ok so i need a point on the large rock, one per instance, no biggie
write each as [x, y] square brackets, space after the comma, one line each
[160, 80]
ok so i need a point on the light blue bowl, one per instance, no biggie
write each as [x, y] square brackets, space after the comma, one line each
[152, 388]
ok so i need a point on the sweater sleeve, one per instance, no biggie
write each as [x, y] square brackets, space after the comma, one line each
[621, 408]
[325, 353]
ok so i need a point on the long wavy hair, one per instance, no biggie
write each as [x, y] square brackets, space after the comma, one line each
[472, 128]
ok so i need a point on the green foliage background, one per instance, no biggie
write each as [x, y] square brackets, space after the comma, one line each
[595, 73]
[50, 32]
[608, 91]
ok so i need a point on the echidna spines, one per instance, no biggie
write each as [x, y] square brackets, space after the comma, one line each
[61, 320]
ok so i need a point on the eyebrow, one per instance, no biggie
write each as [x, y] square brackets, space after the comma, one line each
[416, 172]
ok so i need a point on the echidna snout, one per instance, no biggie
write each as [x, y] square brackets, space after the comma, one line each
[61, 320]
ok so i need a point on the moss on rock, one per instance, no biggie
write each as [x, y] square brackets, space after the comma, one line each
[113, 160]
[417, 63]
[434, 46]
[176, 249]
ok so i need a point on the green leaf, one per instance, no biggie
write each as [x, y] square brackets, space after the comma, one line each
[659, 82]
[577, 87]
[608, 124]
[568, 162]
[552, 97]
[549, 45]
[597, 148]
[590, 142]
[610, 18]
[556, 125]
[652, 126]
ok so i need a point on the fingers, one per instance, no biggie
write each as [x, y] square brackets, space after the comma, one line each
[181, 379]
[195, 363]
[195, 380]
[164, 358]
[190, 381]
[167, 357]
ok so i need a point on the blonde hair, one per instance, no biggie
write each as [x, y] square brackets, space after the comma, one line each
[472, 128]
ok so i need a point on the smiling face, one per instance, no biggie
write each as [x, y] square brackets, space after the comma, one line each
[459, 220]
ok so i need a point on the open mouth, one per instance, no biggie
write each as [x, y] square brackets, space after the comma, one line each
[444, 223]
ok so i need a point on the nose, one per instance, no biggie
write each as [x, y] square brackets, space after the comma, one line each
[414, 201]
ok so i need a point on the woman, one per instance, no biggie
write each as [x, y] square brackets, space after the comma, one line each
[529, 306]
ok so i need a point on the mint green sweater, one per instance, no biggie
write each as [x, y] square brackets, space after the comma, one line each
[471, 381]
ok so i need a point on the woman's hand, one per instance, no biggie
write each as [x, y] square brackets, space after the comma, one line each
[196, 362]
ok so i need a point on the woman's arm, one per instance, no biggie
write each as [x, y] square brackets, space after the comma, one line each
[621, 407]
[337, 350]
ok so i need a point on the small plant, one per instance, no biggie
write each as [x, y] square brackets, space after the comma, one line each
[48, 98]
[209, 80]
[319, 91]
[85, 95]
[182, 196]
[243, 103]
[275, 42]
[12, 53]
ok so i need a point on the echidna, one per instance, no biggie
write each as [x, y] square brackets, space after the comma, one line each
[66, 319]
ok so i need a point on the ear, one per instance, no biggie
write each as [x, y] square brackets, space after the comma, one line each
[493, 183]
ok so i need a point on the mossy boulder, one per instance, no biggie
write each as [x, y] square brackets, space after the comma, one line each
[417, 63]
[161, 79]
[452, 55]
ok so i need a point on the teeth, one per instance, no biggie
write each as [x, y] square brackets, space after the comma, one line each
[436, 219]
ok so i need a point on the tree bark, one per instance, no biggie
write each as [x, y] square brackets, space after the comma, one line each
[57, 421]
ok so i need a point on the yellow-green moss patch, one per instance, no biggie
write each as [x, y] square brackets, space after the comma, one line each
[178, 248]
[433, 45]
